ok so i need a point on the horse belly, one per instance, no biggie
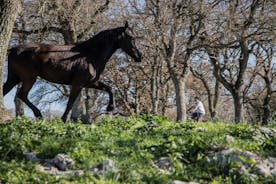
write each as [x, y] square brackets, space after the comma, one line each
[65, 75]
[56, 75]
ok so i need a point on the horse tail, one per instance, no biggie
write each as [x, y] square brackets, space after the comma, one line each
[11, 53]
[10, 50]
[13, 50]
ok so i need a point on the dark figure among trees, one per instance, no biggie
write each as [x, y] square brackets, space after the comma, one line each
[78, 65]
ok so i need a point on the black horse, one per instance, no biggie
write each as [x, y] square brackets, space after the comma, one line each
[79, 65]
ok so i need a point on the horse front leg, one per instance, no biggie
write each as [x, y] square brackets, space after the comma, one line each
[75, 91]
[101, 86]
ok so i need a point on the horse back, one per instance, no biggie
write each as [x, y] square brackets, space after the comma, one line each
[51, 62]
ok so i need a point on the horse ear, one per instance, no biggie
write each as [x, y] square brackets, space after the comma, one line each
[126, 25]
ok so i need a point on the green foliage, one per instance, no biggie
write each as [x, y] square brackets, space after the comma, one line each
[243, 131]
[269, 146]
[133, 143]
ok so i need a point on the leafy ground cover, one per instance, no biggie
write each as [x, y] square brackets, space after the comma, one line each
[134, 144]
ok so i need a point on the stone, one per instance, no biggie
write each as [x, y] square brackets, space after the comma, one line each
[268, 132]
[55, 172]
[222, 158]
[272, 162]
[30, 156]
[243, 171]
[249, 163]
[262, 170]
[229, 139]
[200, 129]
[104, 166]
[164, 163]
[273, 172]
[62, 162]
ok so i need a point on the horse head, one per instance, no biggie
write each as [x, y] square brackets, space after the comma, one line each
[127, 44]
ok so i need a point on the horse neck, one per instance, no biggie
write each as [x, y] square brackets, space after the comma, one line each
[103, 54]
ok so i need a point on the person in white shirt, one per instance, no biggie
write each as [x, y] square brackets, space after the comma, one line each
[198, 110]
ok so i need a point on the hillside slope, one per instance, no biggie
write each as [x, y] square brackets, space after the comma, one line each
[144, 149]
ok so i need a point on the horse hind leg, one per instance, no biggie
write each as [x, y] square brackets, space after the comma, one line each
[23, 95]
[10, 83]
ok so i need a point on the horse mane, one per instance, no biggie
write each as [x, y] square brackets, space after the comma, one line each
[99, 40]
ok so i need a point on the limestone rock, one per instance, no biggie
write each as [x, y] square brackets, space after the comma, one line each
[164, 163]
[30, 156]
[249, 162]
[104, 166]
[62, 162]
[229, 139]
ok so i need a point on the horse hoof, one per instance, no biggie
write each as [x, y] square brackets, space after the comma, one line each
[63, 119]
[39, 116]
[110, 108]
[113, 112]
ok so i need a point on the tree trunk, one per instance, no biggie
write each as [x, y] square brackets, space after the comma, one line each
[89, 106]
[164, 99]
[266, 113]
[238, 106]
[215, 99]
[8, 12]
[155, 87]
[266, 106]
[179, 84]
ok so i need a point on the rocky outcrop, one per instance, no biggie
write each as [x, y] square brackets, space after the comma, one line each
[61, 166]
[247, 161]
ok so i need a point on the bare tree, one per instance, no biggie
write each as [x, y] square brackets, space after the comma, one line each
[265, 69]
[177, 24]
[236, 27]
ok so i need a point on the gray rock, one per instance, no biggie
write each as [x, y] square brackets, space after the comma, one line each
[229, 139]
[56, 166]
[230, 155]
[30, 156]
[272, 162]
[62, 162]
[243, 171]
[103, 167]
[268, 132]
[249, 162]
[55, 172]
[273, 172]
[262, 170]
[200, 129]
[164, 163]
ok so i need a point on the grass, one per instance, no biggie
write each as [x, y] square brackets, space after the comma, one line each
[133, 143]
